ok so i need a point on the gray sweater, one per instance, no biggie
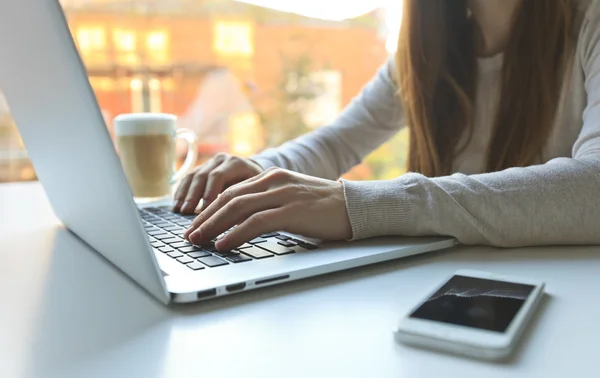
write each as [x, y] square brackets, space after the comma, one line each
[553, 202]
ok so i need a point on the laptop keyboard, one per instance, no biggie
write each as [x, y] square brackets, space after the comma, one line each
[165, 231]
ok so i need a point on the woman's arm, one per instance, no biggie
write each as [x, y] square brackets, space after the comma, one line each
[553, 203]
[371, 119]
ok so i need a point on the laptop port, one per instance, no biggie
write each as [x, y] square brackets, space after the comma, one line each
[272, 279]
[235, 287]
[207, 293]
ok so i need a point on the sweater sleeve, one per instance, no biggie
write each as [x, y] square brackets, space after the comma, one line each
[551, 204]
[372, 118]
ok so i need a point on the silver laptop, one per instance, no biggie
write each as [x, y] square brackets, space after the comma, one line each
[60, 122]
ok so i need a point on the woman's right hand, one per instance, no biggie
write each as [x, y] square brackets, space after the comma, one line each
[210, 179]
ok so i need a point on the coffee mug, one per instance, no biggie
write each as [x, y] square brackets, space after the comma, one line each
[146, 146]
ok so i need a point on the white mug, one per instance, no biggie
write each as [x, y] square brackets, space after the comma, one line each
[146, 146]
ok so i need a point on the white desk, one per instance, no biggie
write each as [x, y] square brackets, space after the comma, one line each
[65, 312]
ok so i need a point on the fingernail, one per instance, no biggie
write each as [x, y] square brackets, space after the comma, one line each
[177, 205]
[194, 235]
[220, 245]
[205, 204]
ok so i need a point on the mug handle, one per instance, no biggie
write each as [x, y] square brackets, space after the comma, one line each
[192, 154]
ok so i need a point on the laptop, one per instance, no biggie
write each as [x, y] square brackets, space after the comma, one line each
[55, 109]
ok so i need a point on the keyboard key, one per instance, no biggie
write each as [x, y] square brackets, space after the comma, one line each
[195, 265]
[181, 244]
[209, 247]
[178, 233]
[197, 255]
[286, 243]
[157, 244]
[224, 253]
[238, 258]
[256, 252]
[257, 241]
[283, 237]
[275, 248]
[172, 240]
[156, 232]
[172, 228]
[175, 254]
[183, 223]
[269, 235]
[163, 236]
[245, 245]
[212, 261]
[166, 249]
[189, 248]
[306, 245]
[185, 259]
[162, 224]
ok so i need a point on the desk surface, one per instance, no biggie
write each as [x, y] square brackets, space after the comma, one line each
[66, 312]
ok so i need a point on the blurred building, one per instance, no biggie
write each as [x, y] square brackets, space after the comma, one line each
[241, 76]
[171, 55]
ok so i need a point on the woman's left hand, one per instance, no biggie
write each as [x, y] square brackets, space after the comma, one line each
[275, 200]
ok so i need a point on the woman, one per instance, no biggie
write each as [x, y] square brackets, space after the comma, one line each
[502, 99]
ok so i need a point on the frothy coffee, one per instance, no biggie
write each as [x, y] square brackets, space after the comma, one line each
[148, 162]
[146, 147]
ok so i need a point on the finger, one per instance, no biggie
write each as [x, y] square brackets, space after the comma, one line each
[258, 224]
[227, 196]
[218, 180]
[234, 212]
[182, 192]
[196, 189]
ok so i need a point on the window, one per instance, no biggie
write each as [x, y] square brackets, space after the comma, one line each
[102, 84]
[145, 95]
[155, 95]
[125, 44]
[92, 44]
[157, 43]
[137, 95]
[91, 39]
[233, 38]
[243, 77]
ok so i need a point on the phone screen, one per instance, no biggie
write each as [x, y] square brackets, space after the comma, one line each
[476, 303]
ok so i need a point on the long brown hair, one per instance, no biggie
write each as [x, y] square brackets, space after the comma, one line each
[436, 68]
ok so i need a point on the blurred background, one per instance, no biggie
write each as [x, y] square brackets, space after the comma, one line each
[244, 75]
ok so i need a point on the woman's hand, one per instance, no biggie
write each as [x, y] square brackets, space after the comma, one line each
[210, 179]
[275, 200]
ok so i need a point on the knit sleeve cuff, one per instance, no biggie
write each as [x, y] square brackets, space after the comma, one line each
[377, 208]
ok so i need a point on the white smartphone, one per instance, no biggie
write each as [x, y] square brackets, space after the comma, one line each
[473, 313]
